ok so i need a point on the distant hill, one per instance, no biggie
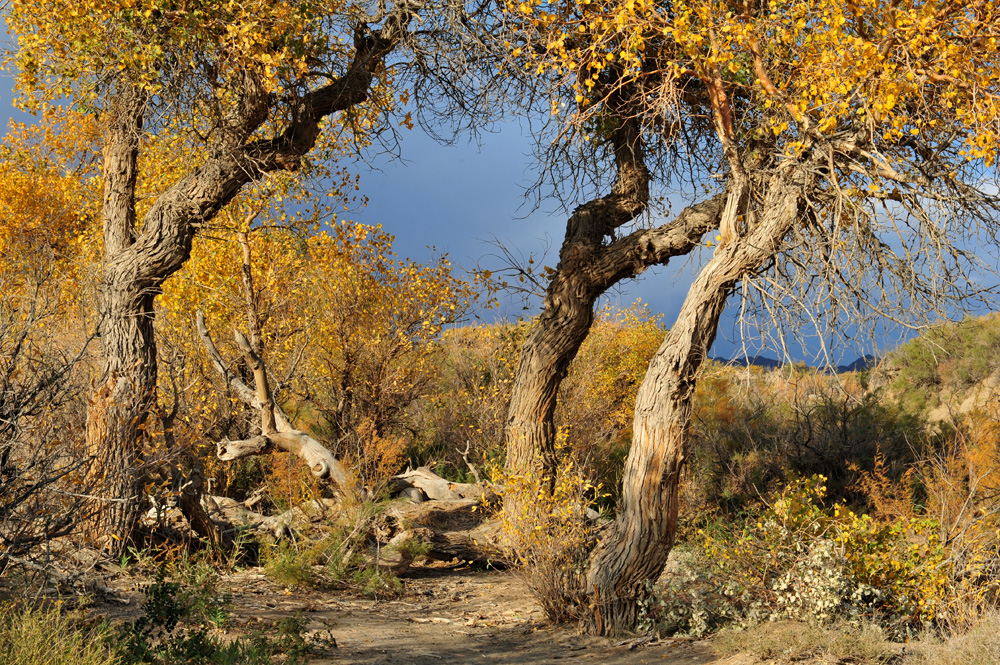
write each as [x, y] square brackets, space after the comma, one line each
[862, 363]
[755, 361]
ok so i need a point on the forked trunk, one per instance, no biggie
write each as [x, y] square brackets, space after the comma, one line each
[126, 391]
[568, 311]
[587, 270]
[138, 261]
[589, 264]
[635, 550]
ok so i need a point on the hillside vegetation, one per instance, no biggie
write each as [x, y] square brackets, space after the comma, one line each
[807, 496]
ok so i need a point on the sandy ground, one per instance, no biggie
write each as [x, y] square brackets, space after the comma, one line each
[444, 616]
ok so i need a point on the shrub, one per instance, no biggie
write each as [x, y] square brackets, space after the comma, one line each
[285, 564]
[469, 407]
[335, 555]
[596, 401]
[799, 560]
[750, 439]
[551, 539]
[948, 358]
[173, 631]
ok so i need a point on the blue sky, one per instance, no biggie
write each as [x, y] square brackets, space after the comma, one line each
[455, 198]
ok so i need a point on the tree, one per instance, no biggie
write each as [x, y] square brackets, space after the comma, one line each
[248, 89]
[852, 139]
[346, 329]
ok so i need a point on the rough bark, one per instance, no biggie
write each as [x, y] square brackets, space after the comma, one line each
[137, 262]
[636, 548]
[126, 391]
[587, 268]
[568, 311]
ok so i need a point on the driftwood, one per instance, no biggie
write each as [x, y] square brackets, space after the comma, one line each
[422, 484]
[276, 430]
[448, 530]
[278, 526]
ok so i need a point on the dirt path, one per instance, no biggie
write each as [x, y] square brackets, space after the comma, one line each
[445, 617]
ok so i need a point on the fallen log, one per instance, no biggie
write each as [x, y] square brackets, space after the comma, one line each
[434, 487]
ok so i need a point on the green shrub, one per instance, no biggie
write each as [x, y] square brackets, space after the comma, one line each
[173, 631]
[335, 555]
[285, 564]
[51, 637]
[374, 582]
[950, 357]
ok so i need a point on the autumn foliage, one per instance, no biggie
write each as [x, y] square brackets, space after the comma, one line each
[348, 331]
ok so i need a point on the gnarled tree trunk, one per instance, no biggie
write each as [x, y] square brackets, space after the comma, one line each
[126, 391]
[588, 267]
[138, 260]
[636, 548]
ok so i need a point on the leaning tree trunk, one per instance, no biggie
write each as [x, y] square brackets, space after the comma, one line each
[636, 548]
[585, 273]
[588, 266]
[568, 312]
[551, 345]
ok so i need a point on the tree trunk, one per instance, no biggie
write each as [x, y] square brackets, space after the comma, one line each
[126, 393]
[551, 345]
[587, 269]
[138, 261]
[117, 416]
[636, 548]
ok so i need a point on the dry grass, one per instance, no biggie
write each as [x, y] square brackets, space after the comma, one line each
[49, 637]
[795, 641]
[980, 645]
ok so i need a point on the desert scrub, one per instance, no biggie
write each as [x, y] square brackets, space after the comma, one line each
[950, 357]
[690, 598]
[799, 560]
[336, 555]
[287, 565]
[176, 629]
[551, 536]
[51, 637]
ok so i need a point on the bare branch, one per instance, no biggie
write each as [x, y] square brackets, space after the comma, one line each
[256, 365]
[246, 395]
[277, 430]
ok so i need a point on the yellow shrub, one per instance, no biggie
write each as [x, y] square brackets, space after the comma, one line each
[801, 560]
[550, 538]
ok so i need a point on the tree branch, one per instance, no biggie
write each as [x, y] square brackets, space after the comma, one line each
[277, 430]
[631, 255]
